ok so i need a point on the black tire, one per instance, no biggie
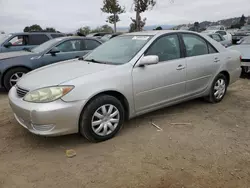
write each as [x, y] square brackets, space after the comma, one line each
[211, 98]
[8, 75]
[85, 126]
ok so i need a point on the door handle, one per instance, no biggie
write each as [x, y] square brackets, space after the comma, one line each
[180, 67]
[216, 60]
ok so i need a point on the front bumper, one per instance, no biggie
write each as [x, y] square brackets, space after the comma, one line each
[47, 119]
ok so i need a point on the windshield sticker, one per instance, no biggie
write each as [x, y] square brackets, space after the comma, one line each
[140, 38]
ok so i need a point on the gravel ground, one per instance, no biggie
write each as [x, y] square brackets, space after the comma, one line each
[211, 150]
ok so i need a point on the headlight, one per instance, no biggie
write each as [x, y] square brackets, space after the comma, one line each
[48, 94]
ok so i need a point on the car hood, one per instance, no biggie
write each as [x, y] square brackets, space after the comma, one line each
[59, 73]
[243, 49]
[8, 55]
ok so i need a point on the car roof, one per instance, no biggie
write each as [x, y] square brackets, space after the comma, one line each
[78, 37]
[158, 32]
[28, 33]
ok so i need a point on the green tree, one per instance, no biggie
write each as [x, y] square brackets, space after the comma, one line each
[34, 27]
[141, 6]
[107, 28]
[158, 28]
[196, 26]
[112, 7]
[84, 30]
[242, 20]
[26, 29]
[133, 24]
[49, 29]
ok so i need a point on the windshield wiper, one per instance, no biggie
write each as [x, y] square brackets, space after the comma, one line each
[94, 61]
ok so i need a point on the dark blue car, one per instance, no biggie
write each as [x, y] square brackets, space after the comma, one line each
[13, 65]
[19, 41]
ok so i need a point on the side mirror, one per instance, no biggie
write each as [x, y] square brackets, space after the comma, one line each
[7, 45]
[54, 51]
[149, 60]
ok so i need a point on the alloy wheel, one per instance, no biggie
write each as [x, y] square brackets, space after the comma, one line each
[15, 77]
[219, 88]
[105, 120]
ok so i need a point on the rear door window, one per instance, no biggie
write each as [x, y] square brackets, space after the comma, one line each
[37, 39]
[195, 45]
[211, 49]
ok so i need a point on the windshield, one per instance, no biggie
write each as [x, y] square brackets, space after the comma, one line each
[46, 45]
[3, 38]
[245, 28]
[119, 50]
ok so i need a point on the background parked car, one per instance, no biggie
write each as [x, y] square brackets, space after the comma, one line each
[243, 32]
[13, 65]
[109, 36]
[225, 34]
[100, 34]
[20, 41]
[216, 27]
[125, 77]
[232, 31]
[244, 49]
[219, 38]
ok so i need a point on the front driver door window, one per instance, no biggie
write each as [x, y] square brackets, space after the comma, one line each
[18, 43]
[161, 83]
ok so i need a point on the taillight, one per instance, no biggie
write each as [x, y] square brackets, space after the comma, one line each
[240, 58]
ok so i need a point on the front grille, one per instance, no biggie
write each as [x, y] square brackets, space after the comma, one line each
[21, 92]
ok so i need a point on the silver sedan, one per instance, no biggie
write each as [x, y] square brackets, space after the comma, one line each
[127, 76]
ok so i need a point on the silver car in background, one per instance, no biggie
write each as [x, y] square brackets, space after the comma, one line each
[244, 48]
[127, 76]
[219, 38]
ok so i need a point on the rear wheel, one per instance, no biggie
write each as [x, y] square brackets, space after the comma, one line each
[12, 76]
[102, 118]
[218, 89]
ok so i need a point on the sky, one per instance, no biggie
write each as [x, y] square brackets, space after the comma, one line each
[69, 15]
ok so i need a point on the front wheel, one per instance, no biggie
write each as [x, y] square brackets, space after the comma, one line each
[12, 76]
[218, 89]
[102, 118]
